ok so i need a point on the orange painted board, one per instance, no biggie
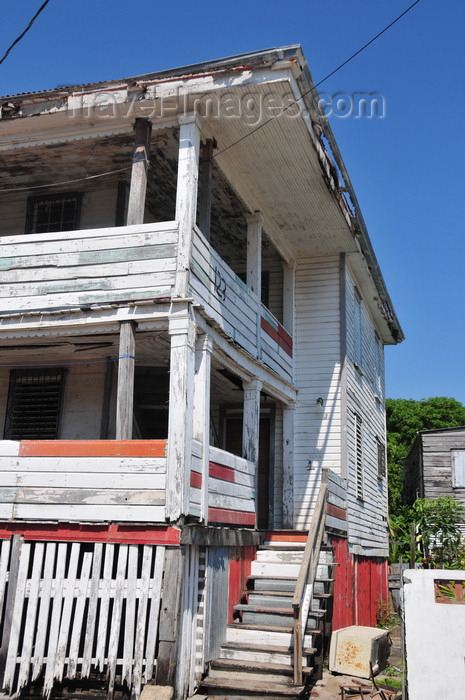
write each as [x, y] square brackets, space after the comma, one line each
[92, 448]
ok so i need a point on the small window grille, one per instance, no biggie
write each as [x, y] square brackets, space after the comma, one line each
[53, 213]
[34, 404]
[359, 456]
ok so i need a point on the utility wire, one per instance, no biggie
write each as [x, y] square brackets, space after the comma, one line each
[313, 89]
[18, 39]
[65, 182]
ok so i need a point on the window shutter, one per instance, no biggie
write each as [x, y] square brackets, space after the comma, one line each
[34, 404]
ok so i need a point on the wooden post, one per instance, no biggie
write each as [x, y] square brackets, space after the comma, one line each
[186, 198]
[201, 413]
[288, 466]
[16, 546]
[140, 166]
[170, 617]
[205, 188]
[125, 392]
[179, 450]
[413, 546]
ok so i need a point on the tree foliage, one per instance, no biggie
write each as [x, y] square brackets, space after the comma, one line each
[404, 418]
[438, 539]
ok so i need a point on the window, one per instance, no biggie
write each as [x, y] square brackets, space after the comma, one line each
[378, 351]
[59, 212]
[381, 458]
[34, 404]
[458, 469]
[358, 457]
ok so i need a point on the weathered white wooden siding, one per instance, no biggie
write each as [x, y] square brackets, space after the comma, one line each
[317, 442]
[79, 608]
[231, 489]
[367, 516]
[55, 270]
[62, 483]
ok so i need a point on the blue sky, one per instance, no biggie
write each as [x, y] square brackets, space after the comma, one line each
[407, 167]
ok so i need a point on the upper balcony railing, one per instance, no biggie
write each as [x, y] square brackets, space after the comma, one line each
[235, 309]
[77, 268]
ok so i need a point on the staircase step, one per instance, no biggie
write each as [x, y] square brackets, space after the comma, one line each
[240, 682]
[262, 653]
[285, 546]
[271, 592]
[280, 556]
[273, 569]
[270, 599]
[264, 635]
[265, 609]
[257, 667]
[241, 646]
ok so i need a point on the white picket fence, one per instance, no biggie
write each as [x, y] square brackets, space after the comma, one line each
[71, 609]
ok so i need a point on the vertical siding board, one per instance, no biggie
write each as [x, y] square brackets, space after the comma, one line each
[68, 599]
[33, 604]
[141, 620]
[154, 613]
[92, 611]
[5, 553]
[54, 628]
[104, 606]
[76, 632]
[17, 617]
[116, 617]
[45, 603]
[130, 621]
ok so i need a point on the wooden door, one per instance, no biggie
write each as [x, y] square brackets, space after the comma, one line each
[233, 443]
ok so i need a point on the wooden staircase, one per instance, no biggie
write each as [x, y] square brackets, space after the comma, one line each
[257, 657]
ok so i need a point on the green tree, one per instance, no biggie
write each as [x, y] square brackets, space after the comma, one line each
[404, 418]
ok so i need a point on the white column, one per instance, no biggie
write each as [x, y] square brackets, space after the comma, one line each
[179, 451]
[186, 197]
[201, 415]
[289, 297]
[288, 466]
[254, 267]
[251, 422]
[125, 390]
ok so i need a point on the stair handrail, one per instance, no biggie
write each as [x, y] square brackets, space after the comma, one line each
[307, 572]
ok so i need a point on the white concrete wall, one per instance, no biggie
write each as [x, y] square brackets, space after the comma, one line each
[435, 638]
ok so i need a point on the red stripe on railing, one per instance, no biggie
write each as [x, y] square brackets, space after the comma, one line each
[92, 448]
[280, 336]
[76, 532]
[196, 480]
[336, 511]
[218, 471]
[230, 517]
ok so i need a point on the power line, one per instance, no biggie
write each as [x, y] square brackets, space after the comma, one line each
[312, 89]
[64, 182]
[18, 39]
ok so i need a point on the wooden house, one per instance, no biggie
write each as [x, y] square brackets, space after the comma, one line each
[192, 329]
[435, 465]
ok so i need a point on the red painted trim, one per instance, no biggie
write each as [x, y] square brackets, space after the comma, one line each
[196, 480]
[286, 536]
[280, 336]
[240, 565]
[219, 471]
[269, 329]
[92, 448]
[230, 517]
[336, 511]
[131, 534]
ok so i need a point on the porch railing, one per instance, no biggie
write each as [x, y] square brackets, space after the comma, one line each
[302, 599]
